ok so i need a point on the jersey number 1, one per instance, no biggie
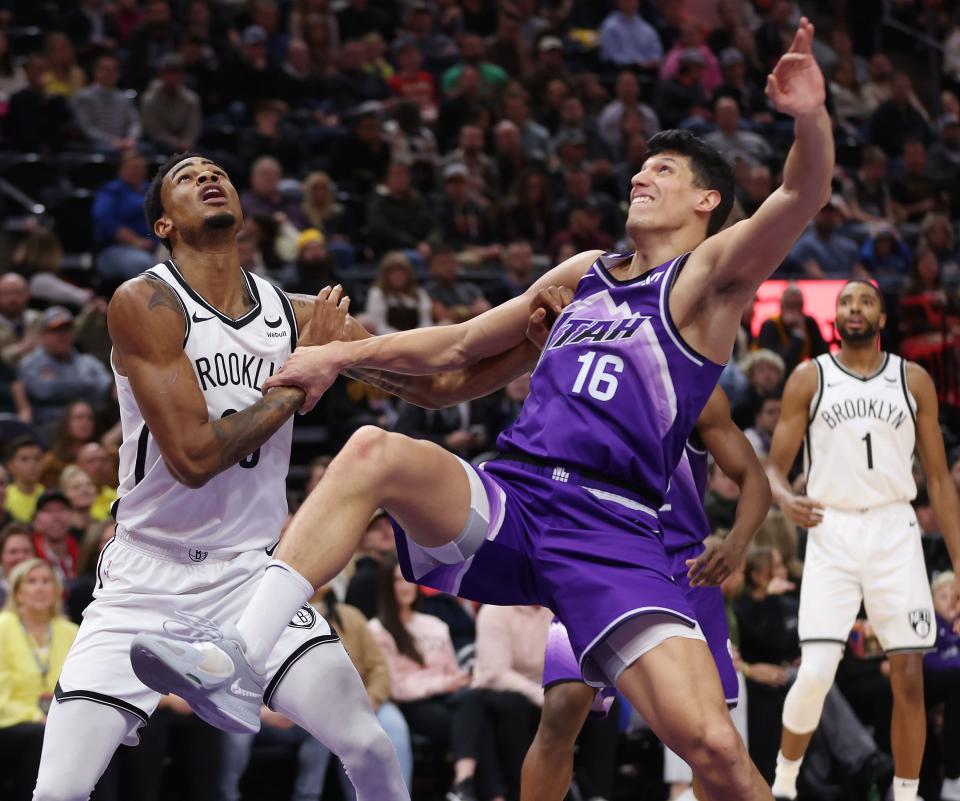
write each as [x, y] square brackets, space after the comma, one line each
[253, 459]
[866, 439]
[603, 385]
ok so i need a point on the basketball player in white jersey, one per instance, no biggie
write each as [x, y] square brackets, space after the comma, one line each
[202, 495]
[861, 413]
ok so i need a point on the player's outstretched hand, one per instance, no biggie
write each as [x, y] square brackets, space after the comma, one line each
[545, 309]
[329, 320]
[796, 86]
[714, 565]
[312, 369]
[803, 511]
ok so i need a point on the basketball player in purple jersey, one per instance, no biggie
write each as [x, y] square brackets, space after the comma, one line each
[548, 766]
[568, 517]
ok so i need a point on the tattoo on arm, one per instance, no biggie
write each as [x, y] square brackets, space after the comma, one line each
[242, 433]
[163, 295]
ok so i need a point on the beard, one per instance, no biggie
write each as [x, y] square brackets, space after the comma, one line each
[221, 221]
[869, 332]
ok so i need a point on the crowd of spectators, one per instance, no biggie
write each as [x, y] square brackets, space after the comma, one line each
[435, 158]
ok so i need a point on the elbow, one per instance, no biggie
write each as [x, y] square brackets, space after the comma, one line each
[190, 472]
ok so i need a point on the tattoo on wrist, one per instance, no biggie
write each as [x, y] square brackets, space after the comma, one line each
[240, 434]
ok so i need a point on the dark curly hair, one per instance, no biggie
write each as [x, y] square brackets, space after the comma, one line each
[710, 169]
[153, 202]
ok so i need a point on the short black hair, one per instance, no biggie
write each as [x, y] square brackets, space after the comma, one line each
[710, 169]
[874, 287]
[18, 444]
[153, 202]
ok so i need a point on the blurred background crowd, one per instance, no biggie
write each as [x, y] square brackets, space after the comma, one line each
[435, 158]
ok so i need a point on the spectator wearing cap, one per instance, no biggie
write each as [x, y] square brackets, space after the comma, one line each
[823, 250]
[411, 81]
[171, 112]
[473, 52]
[398, 217]
[765, 372]
[549, 64]
[885, 254]
[627, 39]
[793, 335]
[462, 217]
[353, 84]
[55, 374]
[24, 461]
[731, 140]
[741, 87]
[125, 242]
[36, 121]
[19, 325]
[395, 302]
[682, 97]
[264, 198]
[51, 534]
[481, 169]
[314, 268]
[627, 96]
[106, 116]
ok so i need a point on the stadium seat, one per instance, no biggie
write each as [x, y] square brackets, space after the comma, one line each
[35, 175]
[88, 170]
[72, 220]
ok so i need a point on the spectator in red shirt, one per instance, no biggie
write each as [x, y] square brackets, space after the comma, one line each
[51, 537]
[411, 81]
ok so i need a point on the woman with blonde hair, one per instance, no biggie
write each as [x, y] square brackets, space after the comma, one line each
[34, 640]
[395, 301]
[81, 491]
[38, 259]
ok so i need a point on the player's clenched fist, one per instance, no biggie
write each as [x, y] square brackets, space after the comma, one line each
[803, 511]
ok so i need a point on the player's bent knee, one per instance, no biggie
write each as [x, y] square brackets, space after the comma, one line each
[366, 444]
[717, 750]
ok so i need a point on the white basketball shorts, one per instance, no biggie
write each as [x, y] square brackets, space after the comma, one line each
[141, 584]
[873, 556]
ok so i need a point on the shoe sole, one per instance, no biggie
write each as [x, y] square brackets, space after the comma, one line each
[159, 675]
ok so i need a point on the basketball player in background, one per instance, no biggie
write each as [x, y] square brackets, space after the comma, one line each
[567, 700]
[567, 517]
[861, 413]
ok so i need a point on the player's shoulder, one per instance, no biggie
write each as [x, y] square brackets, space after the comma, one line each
[918, 379]
[142, 307]
[804, 381]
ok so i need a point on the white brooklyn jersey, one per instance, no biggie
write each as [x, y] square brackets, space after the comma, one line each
[243, 507]
[861, 436]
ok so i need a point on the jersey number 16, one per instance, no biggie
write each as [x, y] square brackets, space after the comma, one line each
[603, 379]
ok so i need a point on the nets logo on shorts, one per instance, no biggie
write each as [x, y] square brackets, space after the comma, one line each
[920, 620]
[196, 555]
[303, 618]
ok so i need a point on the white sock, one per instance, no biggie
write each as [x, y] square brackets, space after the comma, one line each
[905, 789]
[281, 592]
[785, 780]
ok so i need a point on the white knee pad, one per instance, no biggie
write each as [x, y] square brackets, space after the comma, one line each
[804, 704]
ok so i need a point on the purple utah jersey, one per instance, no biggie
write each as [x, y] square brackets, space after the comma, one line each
[682, 518]
[616, 391]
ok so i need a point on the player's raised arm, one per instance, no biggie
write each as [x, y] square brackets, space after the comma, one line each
[146, 325]
[801, 388]
[425, 351]
[734, 455]
[940, 486]
[727, 268]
